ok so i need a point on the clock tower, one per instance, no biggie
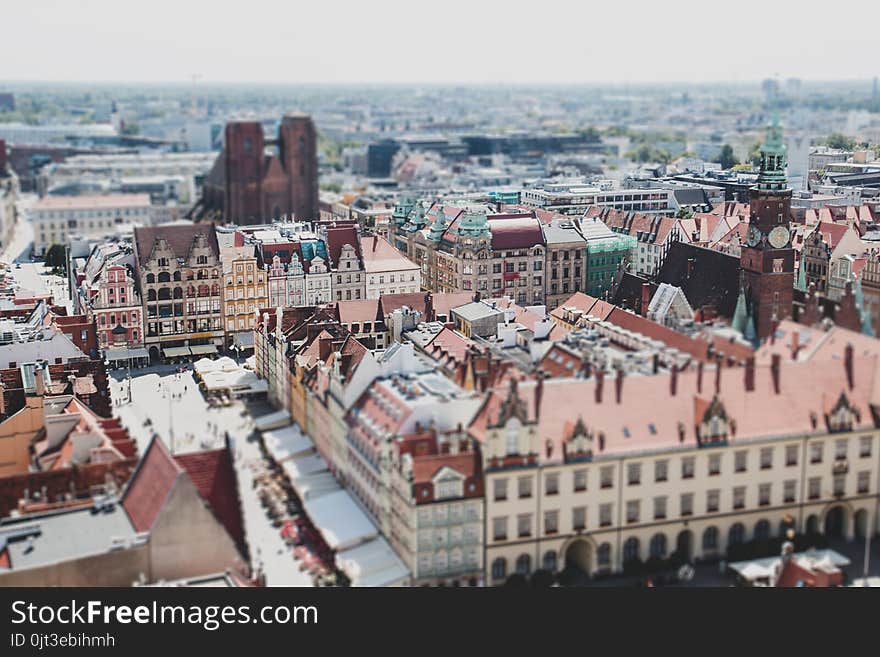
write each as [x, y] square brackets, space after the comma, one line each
[767, 258]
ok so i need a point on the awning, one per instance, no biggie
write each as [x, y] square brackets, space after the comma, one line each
[121, 353]
[244, 340]
[173, 352]
[286, 442]
[272, 420]
[373, 563]
[340, 520]
[200, 349]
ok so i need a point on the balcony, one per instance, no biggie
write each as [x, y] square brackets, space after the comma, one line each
[840, 467]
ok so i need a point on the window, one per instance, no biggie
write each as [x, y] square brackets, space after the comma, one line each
[524, 525]
[788, 491]
[579, 518]
[658, 546]
[499, 529]
[659, 508]
[632, 511]
[634, 474]
[714, 464]
[839, 485]
[712, 497]
[606, 476]
[660, 470]
[687, 504]
[864, 481]
[499, 568]
[791, 455]
[815, 485]
[815, 452]
[551, 484]
[739, 497]
[524, 485]
[865, 446]
[840, 449]
[710, 539]
[631, 549]
[500, 486]
[549, 561]
[580, 480]
[687, 467]
[739, 461]
[551, 522]
[605, 514]
[603, 555]
[764, 494]
[766, 458]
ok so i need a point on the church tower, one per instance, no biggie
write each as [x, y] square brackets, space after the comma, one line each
[767, 258]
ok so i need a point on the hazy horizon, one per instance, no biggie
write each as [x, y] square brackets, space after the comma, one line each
[462, 43]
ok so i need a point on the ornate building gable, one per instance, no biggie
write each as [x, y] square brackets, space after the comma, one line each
[714, 426]
[842, 416]
[577, 441]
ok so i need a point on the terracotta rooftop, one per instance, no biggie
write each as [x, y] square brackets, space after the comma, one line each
[179, 237]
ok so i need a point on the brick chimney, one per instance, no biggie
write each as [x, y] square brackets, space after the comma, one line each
[539, 392]
[848, 364]
[618, 385]
[646, 298]
[718, 363]
[655, 363]
[795, 343]
[774, 370]
[600, 380]
[673, 380]
[691, 265]
[38, 380]
[750, 374]
[700, 376]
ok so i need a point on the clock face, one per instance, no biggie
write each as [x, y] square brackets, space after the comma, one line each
[778, 237]
[753, 236]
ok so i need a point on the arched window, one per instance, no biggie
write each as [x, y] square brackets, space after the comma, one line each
[658, 546]
[631, 549]
[164, 294]
[512, 436]
[710, 538]
[523, 564]
[164, 277]
[178, 293]
[762, 530]
[603, 554]
[736, 535]
[151, 278]
[176, 276]
[549, 562]
[151, 295]
[499, 568]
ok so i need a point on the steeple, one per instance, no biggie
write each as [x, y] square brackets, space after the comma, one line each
[801, 283]
[863, 309]
[741, 313]
[773, 158]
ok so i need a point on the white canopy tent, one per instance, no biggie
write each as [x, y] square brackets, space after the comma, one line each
[340, 520]
[272, 420]
[373, 563]
[287, 442]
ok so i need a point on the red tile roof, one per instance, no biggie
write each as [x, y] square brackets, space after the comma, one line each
[150, 486]
[213, 474]
[515, 232]
[339, 237]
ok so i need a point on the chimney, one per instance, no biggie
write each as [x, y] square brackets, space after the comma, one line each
[691, 264]
[848, 364]
[38, 380]
[2, 399]
[750, 374]
[618, 384]
[681, 433]
[375, 241]
[700, 376]
[600, 379]
[795, 343]
[673, 380]
[773, 325]
[646, 298]
[718, 363]
[539, 392]
[655, 363]
[774, 370]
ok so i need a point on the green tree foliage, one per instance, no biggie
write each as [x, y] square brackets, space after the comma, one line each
[726, 157]
[56, 258]
[841, 141]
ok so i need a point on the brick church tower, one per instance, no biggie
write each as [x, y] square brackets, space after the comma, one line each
[767, 258]
[251, 184]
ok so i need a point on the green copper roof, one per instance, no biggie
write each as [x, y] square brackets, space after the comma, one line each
[773, 159]
[801, 283]
[740, 313]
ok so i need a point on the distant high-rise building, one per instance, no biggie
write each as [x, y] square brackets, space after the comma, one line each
[250, 184]
[7, 102]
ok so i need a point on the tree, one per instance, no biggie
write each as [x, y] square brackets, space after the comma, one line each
[840, 141]
[542, 579]
[726, 157]
[755, 154]
[56, 258]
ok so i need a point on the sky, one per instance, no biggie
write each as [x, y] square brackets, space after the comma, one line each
[442, 41]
